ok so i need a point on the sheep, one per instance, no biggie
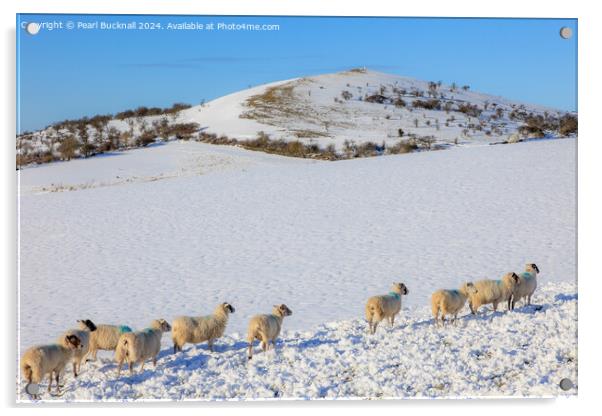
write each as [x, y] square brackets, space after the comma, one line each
[385, 306]
[450, 301]
[494, 292]
[201, 328]
[266, 328]
[40, 360]
[105, 337]
[136, 347]
[527, 284]
[84, 337]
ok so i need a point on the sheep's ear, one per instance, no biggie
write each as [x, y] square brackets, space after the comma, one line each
[73, 340]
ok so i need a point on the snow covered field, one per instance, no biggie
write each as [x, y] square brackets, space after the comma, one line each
[176, 229]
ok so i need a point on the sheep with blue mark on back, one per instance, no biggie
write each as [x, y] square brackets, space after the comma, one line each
[137, 347]
[103, 337]
[494, 292]
[385, 306]
[527, 283]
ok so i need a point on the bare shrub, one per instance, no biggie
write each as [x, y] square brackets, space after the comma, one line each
[399, 103]
[469, 109]
[69, 147]
[376, 98]
[433, 104]
[426, 142]
[402, 146]
[346, 95]
[568, 125]
[145, 138]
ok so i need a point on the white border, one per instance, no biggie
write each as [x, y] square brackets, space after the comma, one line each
[589, 186]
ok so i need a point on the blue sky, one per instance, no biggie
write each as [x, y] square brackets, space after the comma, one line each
[65, 73]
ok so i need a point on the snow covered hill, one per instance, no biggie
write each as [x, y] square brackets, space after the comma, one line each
[335, 116]
[522, 353]
[360, 106]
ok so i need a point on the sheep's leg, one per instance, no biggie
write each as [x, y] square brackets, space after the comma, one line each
[49, 381]
[494, 306]
[58, 386]
[210, 343]
[74, 369]
[392, 320]
[131, 366]
[374, 325]
[509, 302]
[472, 309]
[119, 365]
[250, 350]
[155, 361]
[142, 366]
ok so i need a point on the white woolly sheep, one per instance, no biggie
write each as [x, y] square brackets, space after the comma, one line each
[266, 328]
[47, 359]
[527, 283]
[197, 329]
[104, 338]
[450, 302]
[136, 347]
[494, 292]
[84, 337]
[385, 306]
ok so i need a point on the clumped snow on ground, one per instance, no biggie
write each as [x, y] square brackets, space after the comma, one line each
[255, 230]
[521, 353]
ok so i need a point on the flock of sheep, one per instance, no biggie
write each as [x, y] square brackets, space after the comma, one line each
[139, 346]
